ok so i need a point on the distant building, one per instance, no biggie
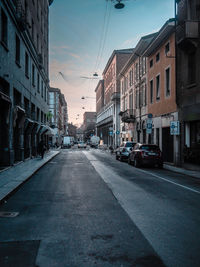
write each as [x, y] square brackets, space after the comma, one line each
[108, 120]
[89, 124]
[59, 114]
[24, 78]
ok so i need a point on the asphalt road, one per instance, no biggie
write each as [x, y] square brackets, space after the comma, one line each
[85, 209]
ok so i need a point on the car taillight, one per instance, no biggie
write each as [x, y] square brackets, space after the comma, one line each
[124, 150]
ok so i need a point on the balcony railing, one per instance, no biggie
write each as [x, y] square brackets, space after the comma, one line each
[128, 115]
[187, 31]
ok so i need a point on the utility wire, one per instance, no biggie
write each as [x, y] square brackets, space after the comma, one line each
[101, 36]
[105, 36]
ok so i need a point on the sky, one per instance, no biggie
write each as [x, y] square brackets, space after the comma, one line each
[82, 37]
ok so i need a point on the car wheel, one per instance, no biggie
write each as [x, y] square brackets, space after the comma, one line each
[136, 163]
[160, 166]
[129, 161]
[116, 157]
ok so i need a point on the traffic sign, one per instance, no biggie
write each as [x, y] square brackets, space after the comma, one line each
[174, 127]
[149, 126]
[117, 132]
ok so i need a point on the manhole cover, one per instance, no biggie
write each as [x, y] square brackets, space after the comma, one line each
[7, 214]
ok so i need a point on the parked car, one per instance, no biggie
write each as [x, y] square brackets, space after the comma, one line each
[145, 154]
[81, 144]
[122, 152]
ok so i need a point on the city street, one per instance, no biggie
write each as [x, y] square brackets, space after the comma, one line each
[85, 208]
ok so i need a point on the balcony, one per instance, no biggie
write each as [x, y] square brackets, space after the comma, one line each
[115, 96]
[128, 116]
[186, 34]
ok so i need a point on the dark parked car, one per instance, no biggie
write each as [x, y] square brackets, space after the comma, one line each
[122, 152]
[145, 154]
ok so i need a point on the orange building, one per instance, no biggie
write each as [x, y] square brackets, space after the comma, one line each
[161, 84]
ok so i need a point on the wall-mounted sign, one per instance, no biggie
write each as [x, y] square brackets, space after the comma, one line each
[149, 126]
[174, 127]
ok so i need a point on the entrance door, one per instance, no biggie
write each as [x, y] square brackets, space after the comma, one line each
[167, 145]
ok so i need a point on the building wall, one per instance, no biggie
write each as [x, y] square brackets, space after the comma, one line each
[26, 89]
[165, 103]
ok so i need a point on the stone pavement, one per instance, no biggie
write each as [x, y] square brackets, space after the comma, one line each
[13, 177]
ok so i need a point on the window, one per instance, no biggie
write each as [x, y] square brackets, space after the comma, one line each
[38, 83]
[4, 28]
[167, 82]
[151, 91]
[26, 65]
[17, 49]
[33, 75]
[151, 63]
[167, 48]
[157, 57]
[191, 68]
[158, 87]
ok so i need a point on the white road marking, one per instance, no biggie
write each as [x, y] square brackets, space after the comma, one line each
[157, 176]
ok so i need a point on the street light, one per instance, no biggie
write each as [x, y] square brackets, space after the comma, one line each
[84, 97]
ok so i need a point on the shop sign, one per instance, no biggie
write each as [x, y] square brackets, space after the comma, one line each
[174, 127]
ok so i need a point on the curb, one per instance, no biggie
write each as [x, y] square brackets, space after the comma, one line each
[25, 180]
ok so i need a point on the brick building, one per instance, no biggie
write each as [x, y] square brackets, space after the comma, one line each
[108, 121]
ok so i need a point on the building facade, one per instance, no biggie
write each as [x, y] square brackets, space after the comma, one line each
[162, 92]
[133, 81]
[188, 79]
[108, 121]
[24, 78]
[59, 114]
[89, 124]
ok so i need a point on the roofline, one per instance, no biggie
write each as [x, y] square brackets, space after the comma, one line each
[115, 52]
[169, 23]
[135, 54]
[100, 81]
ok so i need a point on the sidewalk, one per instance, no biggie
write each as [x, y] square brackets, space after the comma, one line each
[13, 177]
[192, 173]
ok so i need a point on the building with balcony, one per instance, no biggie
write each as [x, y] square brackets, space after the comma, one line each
[188, 79]
[133, 81]
[24, 78]
[108, 121]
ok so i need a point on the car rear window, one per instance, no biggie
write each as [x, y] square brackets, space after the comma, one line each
[146, 147]
[129, 144]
